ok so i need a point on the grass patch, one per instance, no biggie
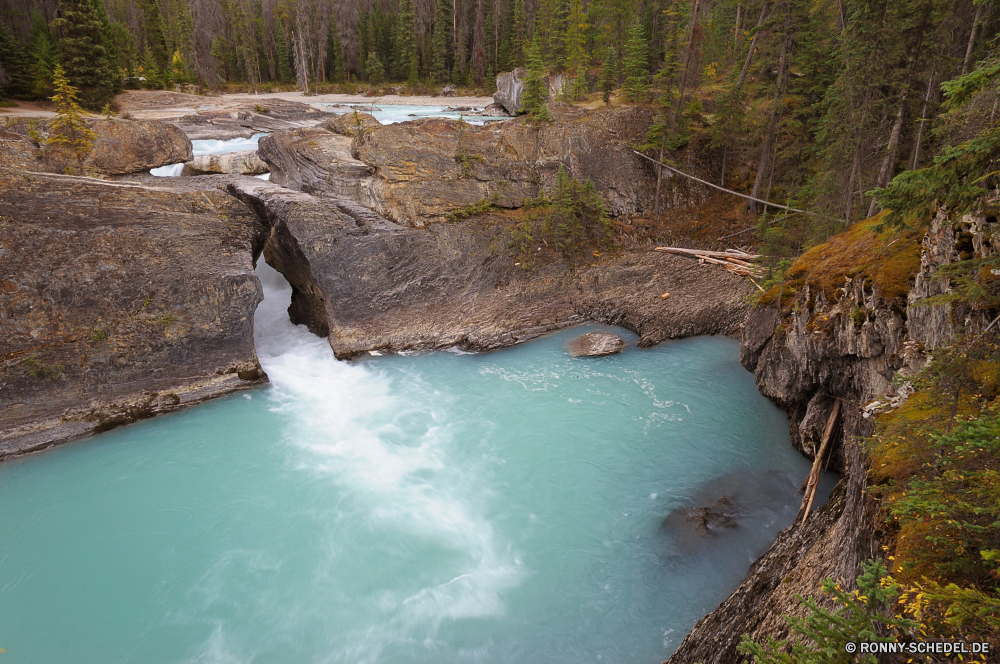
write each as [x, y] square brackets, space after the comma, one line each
[34, 368]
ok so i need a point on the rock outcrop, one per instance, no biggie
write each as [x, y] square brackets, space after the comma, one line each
[318, 161]
[350, 124]
[267, 116]
[510, 89]
[122, 147]
[367, 283]
[119, 301]
[232, 163]
[420, 172]
[838, 330]
[595, 344]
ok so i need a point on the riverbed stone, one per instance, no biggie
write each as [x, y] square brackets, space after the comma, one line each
[233, 163]
[596, 344]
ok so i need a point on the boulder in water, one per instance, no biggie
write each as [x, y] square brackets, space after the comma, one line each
[510, 88]
[233, 163]
[596, 344]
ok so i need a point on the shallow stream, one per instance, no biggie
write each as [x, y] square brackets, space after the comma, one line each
[434, 508]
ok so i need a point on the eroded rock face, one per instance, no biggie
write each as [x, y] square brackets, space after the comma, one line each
[119, 301]
[317, 161]
[232, 163]
[848, 347]
[428, 168]
[370, 284]
[596, 344]
[510, 89]
[122, 147]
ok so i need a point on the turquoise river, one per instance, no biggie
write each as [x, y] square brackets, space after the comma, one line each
[436, 508]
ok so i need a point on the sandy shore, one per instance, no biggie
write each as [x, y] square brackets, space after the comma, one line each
[162, 105]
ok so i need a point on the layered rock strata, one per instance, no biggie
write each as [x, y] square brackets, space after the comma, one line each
[420, 172]
[118, 302]
[230, 163]
[370, 284]
[121, 147]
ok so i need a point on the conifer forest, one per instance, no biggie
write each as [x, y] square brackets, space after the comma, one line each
[815, 105]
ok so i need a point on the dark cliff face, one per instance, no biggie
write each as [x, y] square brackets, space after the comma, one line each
[847, 332]
[369, 283]
[119, 301]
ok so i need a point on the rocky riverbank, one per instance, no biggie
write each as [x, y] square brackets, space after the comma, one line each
[852, 323]
[139, 296]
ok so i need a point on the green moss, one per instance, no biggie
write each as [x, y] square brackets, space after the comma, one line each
[34, 368]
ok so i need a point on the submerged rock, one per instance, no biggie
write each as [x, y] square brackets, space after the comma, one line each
[119, 301]
[234, 163]
[595, 344]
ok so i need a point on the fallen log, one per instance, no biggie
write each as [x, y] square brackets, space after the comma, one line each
[812, 481]
[729, 253]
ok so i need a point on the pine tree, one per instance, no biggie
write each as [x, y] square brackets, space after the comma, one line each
[609, 74]
[576, 54]
[519, 35]
[636, 65]
[374, 70]
[406, 32]
[69, 129]
[84, 53]
[535, 96]
[44, 54]
[285, 74]
[442, 40]
[15, 77]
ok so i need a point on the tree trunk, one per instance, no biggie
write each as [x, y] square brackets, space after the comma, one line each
[972, 40]
[849, 207]
[889, 162]
[772, 123]
[753, 46]
[739, 20]
[922, 123]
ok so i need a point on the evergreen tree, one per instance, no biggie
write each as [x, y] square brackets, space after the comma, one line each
[519, 36]
[69, 129]
[609, 74]
[576, 54]
[374, 70]
[535, 96]
[285, 74]
[442, 40]
[44, 55]
[335, 65]
[15, 76]
[84, 53]
[636, 65]
[406, 33]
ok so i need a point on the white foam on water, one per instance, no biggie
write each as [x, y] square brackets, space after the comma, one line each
[168, 171]
[263, 176]
[212, 146]
[394, 457]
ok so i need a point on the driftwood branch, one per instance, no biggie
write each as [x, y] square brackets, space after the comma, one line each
[737, 262]
[813, 480]
[715, 186]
